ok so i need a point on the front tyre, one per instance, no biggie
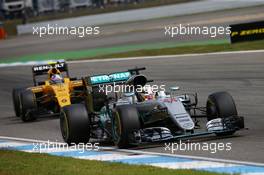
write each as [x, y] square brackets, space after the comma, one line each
[221, 105]
[75, 124]
[125, 122]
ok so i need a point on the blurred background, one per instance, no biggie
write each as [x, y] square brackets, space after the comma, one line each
[11, 9]
[13, 12]
[133, 28]
[125, 26]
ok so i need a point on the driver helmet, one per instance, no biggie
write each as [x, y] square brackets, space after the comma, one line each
[148, 93]
[56, 78]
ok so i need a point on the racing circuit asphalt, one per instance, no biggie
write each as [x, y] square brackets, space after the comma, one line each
[240, 74]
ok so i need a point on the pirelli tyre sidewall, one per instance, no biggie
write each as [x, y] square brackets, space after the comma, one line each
[75, 124]
[125, 120]
[28, 105]
[16, 100]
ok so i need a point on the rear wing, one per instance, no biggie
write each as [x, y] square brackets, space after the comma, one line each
[44, 68]
[116, 77]
[93, 83]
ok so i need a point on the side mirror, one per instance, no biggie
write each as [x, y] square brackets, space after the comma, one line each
[174, 88]
[173, 92]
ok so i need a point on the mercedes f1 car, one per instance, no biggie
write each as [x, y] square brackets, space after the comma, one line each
[129, 118]
[49, 96]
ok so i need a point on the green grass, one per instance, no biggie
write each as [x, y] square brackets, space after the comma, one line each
[150, 49]
[10, 25]
[254, 45]
[20, 163]
[90, 53]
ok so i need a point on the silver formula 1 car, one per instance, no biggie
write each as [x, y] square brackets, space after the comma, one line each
[131, 118]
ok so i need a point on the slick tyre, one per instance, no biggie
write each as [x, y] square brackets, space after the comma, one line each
[125, 121]
[16, 100]
[75, 124]
[220, 105]
[28, 105]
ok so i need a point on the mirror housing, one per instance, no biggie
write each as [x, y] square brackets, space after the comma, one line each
[174, 88]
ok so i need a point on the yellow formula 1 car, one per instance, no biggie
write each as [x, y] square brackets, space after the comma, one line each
[47, 97]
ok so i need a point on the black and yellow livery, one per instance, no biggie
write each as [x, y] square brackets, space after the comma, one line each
[247, 32]
[46, 97]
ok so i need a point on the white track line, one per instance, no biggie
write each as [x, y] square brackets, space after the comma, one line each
[62, 144]
[130, 58]
[192, 165]
[28, 140]
[114, 156]
[149, 153]
[165, 56]
[8, 145]
[193, 157]
[52, 150]
[105, 157]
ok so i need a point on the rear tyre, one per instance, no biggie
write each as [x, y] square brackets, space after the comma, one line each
[220, 105]
[16, 100]
[125, 121]
[28, 105]
[75, 124]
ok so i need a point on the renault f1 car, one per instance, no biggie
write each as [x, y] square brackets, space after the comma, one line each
[49, 96]
[129, 119]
